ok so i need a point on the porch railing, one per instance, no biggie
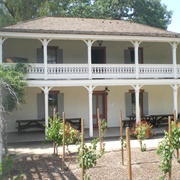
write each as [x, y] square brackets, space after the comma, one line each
[58, 71]
[156, 71]
[99, 71]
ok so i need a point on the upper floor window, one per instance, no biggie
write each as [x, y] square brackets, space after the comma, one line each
[54, 55]
[129, 55]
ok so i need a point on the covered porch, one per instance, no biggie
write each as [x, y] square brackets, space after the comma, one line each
[39, 136]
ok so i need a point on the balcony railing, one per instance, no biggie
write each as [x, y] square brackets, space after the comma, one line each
[58, 71]
[99, 71]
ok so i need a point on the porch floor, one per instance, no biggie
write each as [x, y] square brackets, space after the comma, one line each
[39, 136]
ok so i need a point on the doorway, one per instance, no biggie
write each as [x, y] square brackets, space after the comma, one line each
[99, 101]
[98, 55]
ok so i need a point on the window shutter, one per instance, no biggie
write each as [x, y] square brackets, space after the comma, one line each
[128, 102]
[40, 55]
[40, 106]
[60, 104]
[145, 103]
[59, 56]
[127, 56]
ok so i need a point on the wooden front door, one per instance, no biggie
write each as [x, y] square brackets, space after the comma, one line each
[99, 101]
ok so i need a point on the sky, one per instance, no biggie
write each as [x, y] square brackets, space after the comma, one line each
[173, 5]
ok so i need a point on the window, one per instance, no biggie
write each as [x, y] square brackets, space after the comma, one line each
[129, 55]
[54, 55]
[133, 101]
[53, 103]
[130, 102]
[55, 100]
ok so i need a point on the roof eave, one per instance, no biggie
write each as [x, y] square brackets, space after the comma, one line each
[91, 36]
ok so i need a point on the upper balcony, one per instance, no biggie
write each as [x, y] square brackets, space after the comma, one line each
[73, 59]
[101, 71]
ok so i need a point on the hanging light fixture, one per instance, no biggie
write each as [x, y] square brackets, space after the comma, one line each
[106, 90]
[100, 42]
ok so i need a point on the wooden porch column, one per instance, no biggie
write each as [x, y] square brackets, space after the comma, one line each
[137, 88]
[136, 54]
[175, 96]
[89, 44]
[174, 46]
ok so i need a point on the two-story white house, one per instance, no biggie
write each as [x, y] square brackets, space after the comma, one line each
[79, 64]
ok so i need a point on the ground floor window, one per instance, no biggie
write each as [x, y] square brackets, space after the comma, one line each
[53, 103]
[133, 101]
[130, 100]
[55, 100]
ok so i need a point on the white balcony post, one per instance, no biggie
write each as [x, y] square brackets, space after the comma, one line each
[136, 54]
[89, 44]
[1, 51]
[175, 97]
[45, 44]
[174, 46]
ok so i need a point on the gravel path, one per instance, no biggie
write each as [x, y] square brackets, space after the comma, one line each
[36, 162]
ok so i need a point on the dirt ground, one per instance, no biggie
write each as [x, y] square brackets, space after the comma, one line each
[36, 162]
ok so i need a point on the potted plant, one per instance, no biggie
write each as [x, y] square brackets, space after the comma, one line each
[142, 130]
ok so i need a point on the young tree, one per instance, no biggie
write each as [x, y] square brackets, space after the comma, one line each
[149, 12]
[12, 92]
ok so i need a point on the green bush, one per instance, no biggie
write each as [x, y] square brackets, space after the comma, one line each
[55, 132]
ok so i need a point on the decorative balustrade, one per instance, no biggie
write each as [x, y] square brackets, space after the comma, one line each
[67, 71]
[178, 71]
[58, 71]
[35, 71]
[101, 71]
[156, 71]
[113, 71]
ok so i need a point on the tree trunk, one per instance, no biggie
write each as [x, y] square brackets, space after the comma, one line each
[3, 135]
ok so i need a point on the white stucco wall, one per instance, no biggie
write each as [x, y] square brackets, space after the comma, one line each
[160, 101]
[25, 111]
[156, 52]
[76, 51]
[75, 105]
[21, 48]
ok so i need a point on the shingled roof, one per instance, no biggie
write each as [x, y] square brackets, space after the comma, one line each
[66, 25]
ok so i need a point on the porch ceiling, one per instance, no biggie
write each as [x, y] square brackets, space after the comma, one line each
[105, 82]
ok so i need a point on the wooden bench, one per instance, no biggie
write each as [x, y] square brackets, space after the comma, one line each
[75, 122]
[40, 123]
[128, 122]
[30, 123]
